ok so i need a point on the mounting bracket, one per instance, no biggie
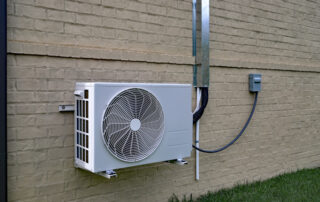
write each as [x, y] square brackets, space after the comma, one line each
[180, 162]
[108, 174]
[66, 108]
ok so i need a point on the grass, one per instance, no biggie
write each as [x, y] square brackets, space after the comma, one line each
[303, 185]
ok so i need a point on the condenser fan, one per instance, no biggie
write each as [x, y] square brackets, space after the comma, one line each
[133, 125]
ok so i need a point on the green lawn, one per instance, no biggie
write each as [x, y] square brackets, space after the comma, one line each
[303, 185]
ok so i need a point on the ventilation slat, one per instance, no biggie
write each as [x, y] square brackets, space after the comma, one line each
[78, 152]
[86, 94]
[87, 156]
[87, 109]
[78, 106]
[87, 124]
[82, 129]
[83, 109]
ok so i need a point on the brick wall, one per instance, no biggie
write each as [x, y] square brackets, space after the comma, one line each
[53, 44]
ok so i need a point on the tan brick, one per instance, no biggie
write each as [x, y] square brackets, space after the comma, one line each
[28, 2]
[31, 132]
[48, 26]
[14, 72]
[11, 84]
[20, 120]
[88, 19]
[44, 72]
[50, 119]
[68, 141]
[77, 29]
[21, 194]
[104, 33]
[78, 7]
[48, 96]
[10, 8]
[20, 170]
[91, 1]
[122, 34]
[61, 16]
[58, 153]
[157, 10]
[179, 14]
[78, 75]
[20, 145]
[44, 143]
[50, 189]
[11, 134]
[136, 6]
[30, 11]
[64, 196]
[26, 61]
[104, 75]
[20, 22]
[114, 3]
[127, 76]
[125, 14]
[49, 165]
[60, 85]
[30, 156]
[57, 4]
[61, 130]
[31, 84]
[55, 177]
[104, 11]
[114, 23]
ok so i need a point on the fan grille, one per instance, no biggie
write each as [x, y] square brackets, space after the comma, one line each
[133, 125]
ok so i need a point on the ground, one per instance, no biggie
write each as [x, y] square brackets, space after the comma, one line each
[303, 185]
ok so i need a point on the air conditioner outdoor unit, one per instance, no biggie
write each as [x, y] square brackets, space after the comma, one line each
[120, 125]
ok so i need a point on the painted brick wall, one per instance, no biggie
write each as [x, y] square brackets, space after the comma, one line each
[54, 43]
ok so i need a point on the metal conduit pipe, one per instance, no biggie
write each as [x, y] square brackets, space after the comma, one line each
[200, 42]
[3, 101]
[197, 134]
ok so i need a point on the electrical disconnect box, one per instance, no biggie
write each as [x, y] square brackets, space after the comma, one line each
[254, 82]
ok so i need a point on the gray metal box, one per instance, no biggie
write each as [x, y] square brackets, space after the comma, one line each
[254, 82]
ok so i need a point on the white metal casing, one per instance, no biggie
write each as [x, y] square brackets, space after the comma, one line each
[175, 100]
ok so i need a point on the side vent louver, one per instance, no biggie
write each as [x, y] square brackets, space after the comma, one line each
[82, 130]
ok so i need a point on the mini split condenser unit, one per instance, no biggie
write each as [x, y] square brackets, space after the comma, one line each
[120, 125]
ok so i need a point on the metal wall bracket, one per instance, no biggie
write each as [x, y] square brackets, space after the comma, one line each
[180, 162]
[201, 24]
[66, 108]
[108, 174]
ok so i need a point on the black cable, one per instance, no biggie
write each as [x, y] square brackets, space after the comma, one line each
[204, 101]
[237, 137]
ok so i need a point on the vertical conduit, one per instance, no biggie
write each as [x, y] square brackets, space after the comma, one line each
[3, 100]
[201, 21]
[197, 134]
[201, 68]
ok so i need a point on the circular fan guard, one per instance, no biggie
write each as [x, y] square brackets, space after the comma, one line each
[133, 125]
